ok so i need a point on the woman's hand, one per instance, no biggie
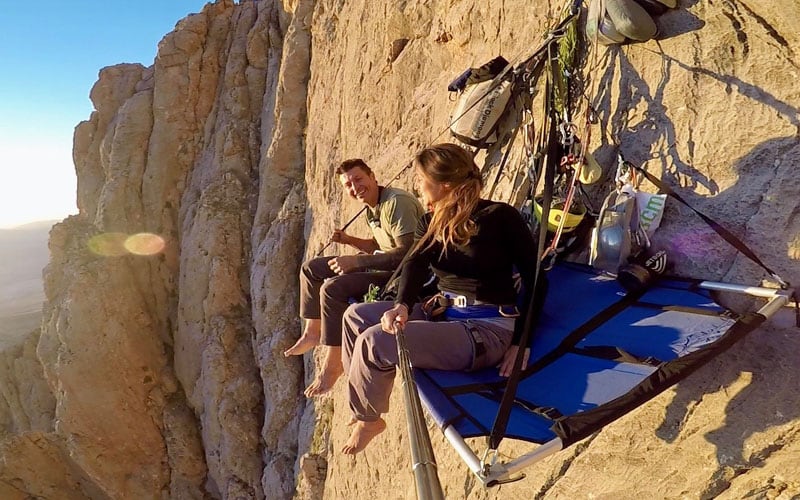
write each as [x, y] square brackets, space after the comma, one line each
[398, 315]
[507, 365]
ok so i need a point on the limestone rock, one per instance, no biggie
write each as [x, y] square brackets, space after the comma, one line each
[35, 465]
[166, 370]
[26, 404]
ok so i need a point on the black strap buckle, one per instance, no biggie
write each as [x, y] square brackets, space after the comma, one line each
[477, 341]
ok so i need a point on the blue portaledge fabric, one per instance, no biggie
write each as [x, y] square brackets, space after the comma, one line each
[597, 353]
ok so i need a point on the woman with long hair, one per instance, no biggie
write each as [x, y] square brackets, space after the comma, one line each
[473, 246]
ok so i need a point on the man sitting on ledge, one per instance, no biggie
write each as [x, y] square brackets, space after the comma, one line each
[327, 284]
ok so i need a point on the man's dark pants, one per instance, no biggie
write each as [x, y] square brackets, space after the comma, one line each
[325, 295]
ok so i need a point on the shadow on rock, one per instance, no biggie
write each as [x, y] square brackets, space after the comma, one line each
[677, 22]
[759, 373]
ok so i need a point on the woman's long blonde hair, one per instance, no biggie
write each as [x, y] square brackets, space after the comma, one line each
[451, 223]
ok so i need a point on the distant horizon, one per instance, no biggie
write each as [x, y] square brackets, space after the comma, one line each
[32, 224]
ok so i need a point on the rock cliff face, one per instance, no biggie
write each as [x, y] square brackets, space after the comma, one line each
[166, 369]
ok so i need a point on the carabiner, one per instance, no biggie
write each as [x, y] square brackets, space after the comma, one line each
[486, 467]
[567, 134]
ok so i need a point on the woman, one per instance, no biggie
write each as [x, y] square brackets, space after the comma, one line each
[473, 246]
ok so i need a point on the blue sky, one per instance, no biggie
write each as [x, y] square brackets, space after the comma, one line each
[50, 55]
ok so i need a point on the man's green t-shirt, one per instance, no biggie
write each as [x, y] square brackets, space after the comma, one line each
[397, 213]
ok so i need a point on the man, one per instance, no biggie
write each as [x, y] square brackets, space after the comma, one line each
[327, 284]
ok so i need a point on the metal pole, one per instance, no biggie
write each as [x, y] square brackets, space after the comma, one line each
[423, 460]
[352, 219]
[755, 291]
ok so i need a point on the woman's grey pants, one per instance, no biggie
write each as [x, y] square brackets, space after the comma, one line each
[369, 354]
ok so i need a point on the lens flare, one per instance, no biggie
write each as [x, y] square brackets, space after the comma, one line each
[144, 244]
[108, 244]
[119, 244]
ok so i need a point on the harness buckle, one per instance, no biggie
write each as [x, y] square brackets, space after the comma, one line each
[459, 301]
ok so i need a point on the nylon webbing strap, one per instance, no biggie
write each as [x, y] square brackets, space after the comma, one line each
[504, 160]
[547, 412]
[551, 159]
[728, 236]
[615, 353]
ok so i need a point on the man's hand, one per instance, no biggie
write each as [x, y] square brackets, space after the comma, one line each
[339, 236]
[343, 264]
[394, 316]
[507, 365]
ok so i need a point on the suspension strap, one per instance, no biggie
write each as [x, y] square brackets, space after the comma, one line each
[509, 395]
[503, 162]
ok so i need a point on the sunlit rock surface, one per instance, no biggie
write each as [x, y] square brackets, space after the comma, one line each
[165, 370]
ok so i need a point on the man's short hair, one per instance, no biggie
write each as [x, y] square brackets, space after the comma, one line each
[353, 163]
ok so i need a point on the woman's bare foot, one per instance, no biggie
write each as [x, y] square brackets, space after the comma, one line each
[307, 341]
[363, 433]
[330, 372]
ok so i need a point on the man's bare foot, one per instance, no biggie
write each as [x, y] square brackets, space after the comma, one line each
[363, 433]
[329, 373]
[307, 341]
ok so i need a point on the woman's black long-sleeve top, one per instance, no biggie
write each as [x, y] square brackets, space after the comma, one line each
[483, 268]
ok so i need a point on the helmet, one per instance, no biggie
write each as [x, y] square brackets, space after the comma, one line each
[571, 219]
